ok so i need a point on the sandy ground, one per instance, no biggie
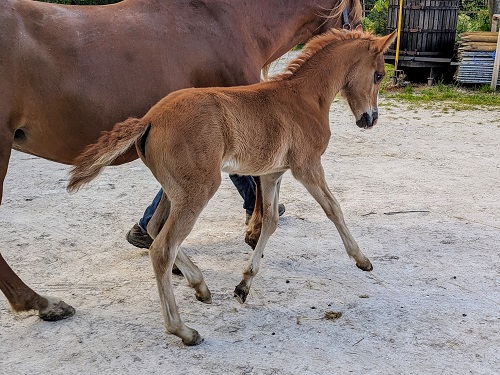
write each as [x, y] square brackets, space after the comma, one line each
[420, 193]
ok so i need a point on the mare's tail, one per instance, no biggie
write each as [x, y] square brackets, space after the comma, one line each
[110, 145]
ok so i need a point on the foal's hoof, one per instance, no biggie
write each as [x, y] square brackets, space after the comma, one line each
[56, 310]
[241, 293]
[366, 266]
[196, 340]
[204, 299]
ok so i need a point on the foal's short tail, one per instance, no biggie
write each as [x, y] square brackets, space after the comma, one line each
[110, 145]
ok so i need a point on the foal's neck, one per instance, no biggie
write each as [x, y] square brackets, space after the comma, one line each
[325, 73]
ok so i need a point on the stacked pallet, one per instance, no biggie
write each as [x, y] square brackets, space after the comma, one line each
[476, 56]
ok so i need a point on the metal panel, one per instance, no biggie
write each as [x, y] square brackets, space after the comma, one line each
[476, 67]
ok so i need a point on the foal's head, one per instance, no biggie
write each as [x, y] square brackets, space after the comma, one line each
[364, 77]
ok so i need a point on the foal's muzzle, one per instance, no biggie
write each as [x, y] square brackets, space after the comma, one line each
[367, 120]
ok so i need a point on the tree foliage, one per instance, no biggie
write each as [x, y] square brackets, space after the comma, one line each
[376, 22]
[473, 16]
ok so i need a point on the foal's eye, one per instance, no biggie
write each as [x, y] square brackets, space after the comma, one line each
[378, 77]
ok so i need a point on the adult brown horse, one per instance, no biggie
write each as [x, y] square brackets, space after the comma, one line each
[69, 72]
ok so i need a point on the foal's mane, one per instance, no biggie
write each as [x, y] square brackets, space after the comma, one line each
[316, 44]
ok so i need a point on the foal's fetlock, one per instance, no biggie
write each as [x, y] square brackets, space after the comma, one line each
[241, 292]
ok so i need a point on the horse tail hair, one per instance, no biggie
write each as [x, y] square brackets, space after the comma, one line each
[110, 145]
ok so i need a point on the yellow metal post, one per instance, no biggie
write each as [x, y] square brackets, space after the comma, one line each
[398, 40]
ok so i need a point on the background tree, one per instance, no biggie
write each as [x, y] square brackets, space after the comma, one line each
[376, 16]
[473, 15]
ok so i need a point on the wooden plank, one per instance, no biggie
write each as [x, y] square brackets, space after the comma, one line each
[480, 37]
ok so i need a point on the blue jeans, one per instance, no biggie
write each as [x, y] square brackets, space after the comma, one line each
[244, 184]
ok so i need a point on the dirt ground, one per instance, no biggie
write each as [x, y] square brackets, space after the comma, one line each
[420, 193]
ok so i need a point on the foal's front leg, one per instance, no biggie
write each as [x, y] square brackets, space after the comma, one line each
[313, 178]
[270, 216]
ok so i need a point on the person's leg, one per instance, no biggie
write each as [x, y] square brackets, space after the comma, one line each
[244, 184]
[246, 188]
[138, 235]
[150, 210]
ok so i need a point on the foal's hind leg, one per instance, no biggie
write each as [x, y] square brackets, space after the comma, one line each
[20, 296]
[313, 178]
[183, 265]
[187, 203]
[270, 216]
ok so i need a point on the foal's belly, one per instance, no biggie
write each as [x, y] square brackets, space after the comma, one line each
[253, 166]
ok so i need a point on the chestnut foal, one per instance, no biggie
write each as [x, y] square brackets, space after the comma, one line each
[264, 129]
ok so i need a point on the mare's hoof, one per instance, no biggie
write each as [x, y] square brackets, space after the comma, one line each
[367, 266]
[56, 310]
[196, 340]
[241, 293]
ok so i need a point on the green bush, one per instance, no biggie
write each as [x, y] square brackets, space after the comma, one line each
[376, 22]
[474, 22]
[473, 16]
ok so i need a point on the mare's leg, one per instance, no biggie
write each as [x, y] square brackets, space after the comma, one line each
[255, 224]
[186, 206]
[313, 178]
[20, 296]
[270, 216]
[185, 266]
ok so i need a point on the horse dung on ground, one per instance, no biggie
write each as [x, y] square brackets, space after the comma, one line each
[264, 129]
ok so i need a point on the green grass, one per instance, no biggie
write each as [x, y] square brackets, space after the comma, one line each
[448, 96]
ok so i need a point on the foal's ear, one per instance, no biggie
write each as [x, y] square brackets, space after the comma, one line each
[382, 44]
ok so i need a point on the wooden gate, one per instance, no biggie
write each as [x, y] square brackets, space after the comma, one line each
[428, 31]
